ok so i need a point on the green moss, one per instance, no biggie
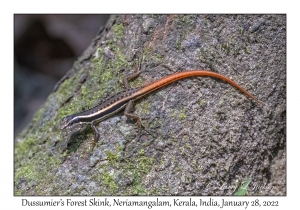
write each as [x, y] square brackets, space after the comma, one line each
[136, 167]
[65, 91]
[145, 107]
[137, 82]
[65, 111]
[178, 169]
[97, 63]
[114, 158]
[119, 31]
[182, 115]
[103, 74]
[246, 49]
[109, 181]
[225, 46]
[32, 163]
[26, 148]
[120, 59]
[18, 193]
[73, 107]
[35, 166]
[38, 115]
[179, 41]
[107, 76]
[157, 58]
[27, 171]
[202, 102]
[189, 20]
[188, 146]
[186, 23]
[162, 162]
[221, 102]
[147, 51]
[84, 89]
[185, 18]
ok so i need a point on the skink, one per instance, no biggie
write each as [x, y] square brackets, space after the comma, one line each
[126, 98]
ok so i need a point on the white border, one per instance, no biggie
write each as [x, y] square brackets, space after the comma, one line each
[8, 8]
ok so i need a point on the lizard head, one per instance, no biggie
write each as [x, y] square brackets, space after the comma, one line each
[68, 122]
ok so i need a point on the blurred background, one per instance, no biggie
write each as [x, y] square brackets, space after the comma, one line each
[45, 48]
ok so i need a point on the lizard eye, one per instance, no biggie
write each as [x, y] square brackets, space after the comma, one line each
[73, 121]
[68, 121]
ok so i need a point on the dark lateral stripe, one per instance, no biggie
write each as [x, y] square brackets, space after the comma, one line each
[103, 114]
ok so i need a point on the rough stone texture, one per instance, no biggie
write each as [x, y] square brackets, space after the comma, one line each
[204, 136]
